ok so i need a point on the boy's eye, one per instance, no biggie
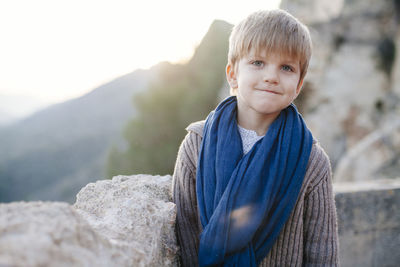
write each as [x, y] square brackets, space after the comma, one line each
[287, 68]
[257, 63]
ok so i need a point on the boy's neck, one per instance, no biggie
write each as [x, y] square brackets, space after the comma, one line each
[256, 122]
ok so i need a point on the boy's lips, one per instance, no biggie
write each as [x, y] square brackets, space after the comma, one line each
[268, 91]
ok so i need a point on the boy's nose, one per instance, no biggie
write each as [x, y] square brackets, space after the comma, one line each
[270, 75]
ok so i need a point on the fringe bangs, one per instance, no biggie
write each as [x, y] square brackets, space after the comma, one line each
[273, 31]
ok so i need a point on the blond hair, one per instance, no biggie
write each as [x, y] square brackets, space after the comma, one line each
[275, 31]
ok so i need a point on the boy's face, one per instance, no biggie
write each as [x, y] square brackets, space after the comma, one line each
[264, 84]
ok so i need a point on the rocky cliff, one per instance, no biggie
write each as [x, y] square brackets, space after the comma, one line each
[351, 96]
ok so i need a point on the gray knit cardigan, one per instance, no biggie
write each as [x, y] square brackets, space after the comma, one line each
[309, 237]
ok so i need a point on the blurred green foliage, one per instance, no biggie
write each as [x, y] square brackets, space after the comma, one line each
[181, 94]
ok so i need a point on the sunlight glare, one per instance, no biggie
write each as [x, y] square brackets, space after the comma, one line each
[55, 50]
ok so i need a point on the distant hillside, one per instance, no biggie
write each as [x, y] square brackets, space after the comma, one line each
[53, 153]
[6, 118]
[15, 107]
[182, 94]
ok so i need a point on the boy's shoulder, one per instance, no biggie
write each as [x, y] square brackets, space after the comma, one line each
[318, 163]
[190, 146]
[196, 127]
[195, 131]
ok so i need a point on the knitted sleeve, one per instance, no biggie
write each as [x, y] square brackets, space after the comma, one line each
[184, 196]
[320, 220]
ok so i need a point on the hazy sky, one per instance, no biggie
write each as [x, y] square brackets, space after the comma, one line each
[53, 50]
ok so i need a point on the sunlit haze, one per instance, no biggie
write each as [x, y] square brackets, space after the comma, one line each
[54, 50]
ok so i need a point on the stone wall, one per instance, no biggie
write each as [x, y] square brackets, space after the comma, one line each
[369, 222]
[129, 221]
[126, 221]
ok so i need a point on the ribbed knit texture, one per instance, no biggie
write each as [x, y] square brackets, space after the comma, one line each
[309, 237]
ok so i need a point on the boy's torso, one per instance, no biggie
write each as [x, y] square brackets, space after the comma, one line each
[291, 238]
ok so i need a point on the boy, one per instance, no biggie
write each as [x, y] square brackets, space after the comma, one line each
[252, 186]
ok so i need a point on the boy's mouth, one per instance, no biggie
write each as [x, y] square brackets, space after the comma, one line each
[268, 91]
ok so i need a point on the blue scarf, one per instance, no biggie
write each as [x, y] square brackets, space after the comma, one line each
[244, 201]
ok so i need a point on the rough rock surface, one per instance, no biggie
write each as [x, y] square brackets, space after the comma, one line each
[376, 156]
[135, 214]
[396, 68]
[351, 88]
[346, 111]
[52, 233]
[369, 222]
[321, 10]
[127, 221]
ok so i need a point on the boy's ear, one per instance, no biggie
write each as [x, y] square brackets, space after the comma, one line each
[299, 87]
[231, 76]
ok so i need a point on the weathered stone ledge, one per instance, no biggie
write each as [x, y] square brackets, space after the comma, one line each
[130, 220]
[372, 185]
[126, 221]
[369, 222]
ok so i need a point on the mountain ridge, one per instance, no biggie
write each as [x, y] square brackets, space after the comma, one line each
[51, 154]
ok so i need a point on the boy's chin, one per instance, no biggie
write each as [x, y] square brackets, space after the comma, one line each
[267, 107]
[267, 111]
